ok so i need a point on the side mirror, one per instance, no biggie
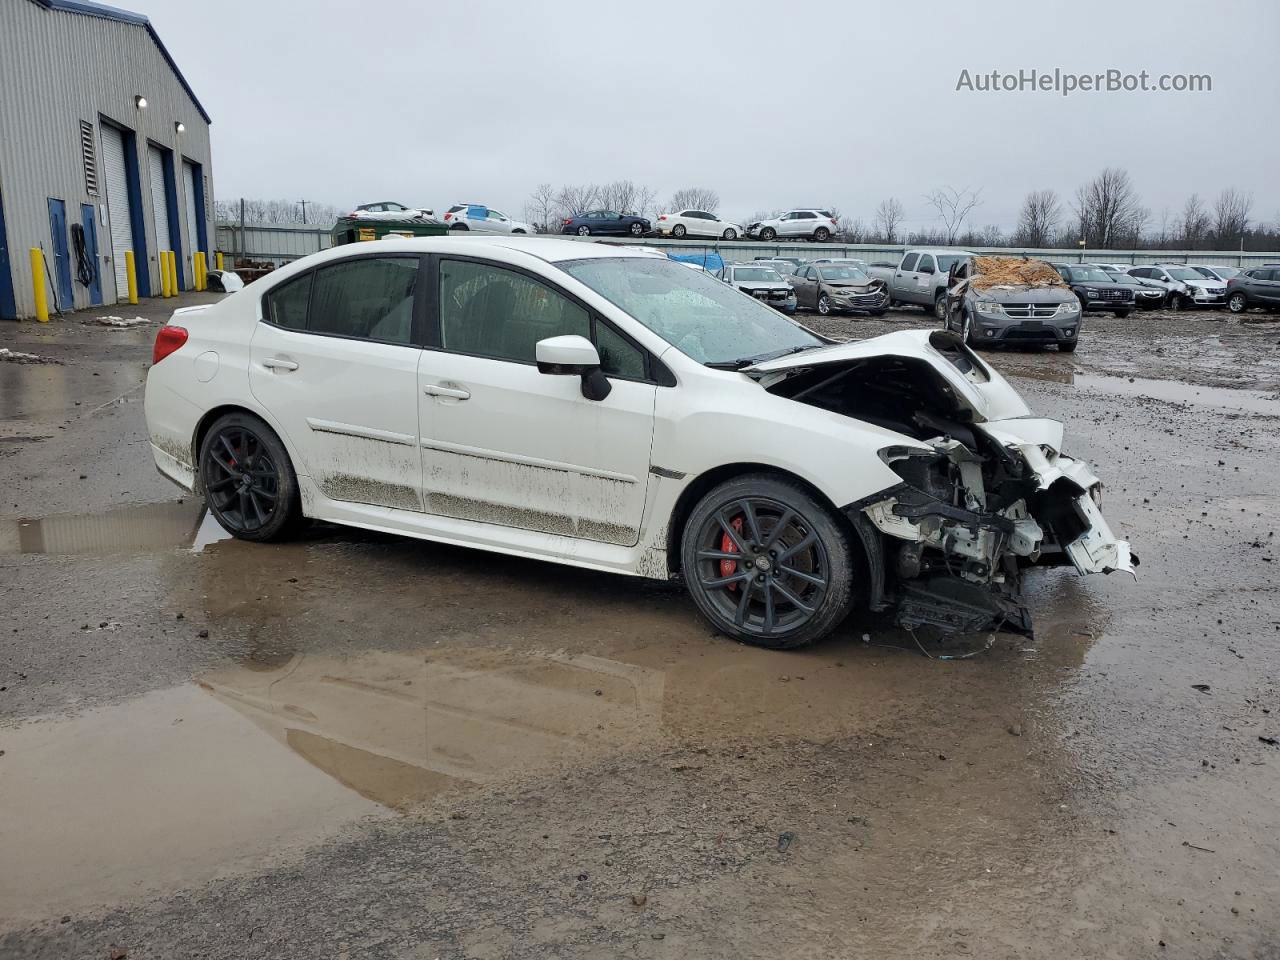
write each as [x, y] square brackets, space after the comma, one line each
[573, 356]
[926, 270]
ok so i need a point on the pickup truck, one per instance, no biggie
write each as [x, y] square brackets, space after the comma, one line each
[920, 277]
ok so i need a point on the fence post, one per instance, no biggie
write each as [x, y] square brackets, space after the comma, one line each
[38, 284]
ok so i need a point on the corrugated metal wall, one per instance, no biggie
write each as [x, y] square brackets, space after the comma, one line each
[278, 244]
[56, 69]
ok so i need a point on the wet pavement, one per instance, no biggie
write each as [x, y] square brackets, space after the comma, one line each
[361, 745]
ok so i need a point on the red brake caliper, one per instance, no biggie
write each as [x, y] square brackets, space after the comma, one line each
[727, 567]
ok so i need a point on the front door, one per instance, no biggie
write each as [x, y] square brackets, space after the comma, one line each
[504, 444]
[333, 361]
[88, 221]
[61, 255]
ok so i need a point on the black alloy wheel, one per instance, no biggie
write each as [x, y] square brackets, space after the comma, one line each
[637, 229]
[766, 564]
[584, 231]
[248, 481]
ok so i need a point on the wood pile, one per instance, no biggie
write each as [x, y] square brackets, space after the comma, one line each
[1013, 272]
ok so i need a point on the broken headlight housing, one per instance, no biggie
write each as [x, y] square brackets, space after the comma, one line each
[989, 308]
[1069, 308]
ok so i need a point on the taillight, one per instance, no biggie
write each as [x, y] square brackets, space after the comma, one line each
[662, 216]
[448, 215]
[567, 221]
[833, 221]
[169, 339]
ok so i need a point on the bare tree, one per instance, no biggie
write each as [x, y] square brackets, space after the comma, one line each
[1231, 215]
[851, 230]
[276, 212]
[888, 218]
[1039, 218]
[953, 207]
[647, 202]
[1106, 207]
[1194, 224]
[540, 208]
[695, 198]
[571, 201]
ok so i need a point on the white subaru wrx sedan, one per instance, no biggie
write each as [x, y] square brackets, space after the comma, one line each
[612, 409]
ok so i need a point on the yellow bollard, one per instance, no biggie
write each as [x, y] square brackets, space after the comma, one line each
[195, 270]
[166, 278]
[131, 276]
[173, 274]
[217, 259]
[201, 271]
[38, 282]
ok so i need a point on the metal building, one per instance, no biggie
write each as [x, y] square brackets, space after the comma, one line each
[104, 149]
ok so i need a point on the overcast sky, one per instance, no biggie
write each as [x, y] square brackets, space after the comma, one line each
[770, 104]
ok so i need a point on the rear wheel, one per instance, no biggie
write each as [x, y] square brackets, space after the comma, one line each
[768, 233]
[678, 231]
[584, 231]
[249, 483]
[1237, 303]
[821, 235]
[766, 564]
[459, 226]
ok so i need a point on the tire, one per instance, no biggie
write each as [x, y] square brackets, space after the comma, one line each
[940, 307]
[966, 330]
[768, 233]
[743, 515]
[1237, 303]
[678, 231]
[517, 231]
[1067, 346]
[821, 235]
[248, 479]
[729, 234]
[1121, 314]
[1177, 302]
[459, 226]
[584, 231]
[875, 313]
[824, 305]
[1083, 304]
[637, 230]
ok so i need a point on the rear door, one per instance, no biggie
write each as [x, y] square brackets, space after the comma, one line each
[805, 282]
[506, 445]
[333, 360]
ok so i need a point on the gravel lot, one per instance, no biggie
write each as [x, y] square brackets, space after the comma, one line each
[354, 745]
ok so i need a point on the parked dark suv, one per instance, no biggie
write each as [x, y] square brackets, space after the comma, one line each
[1256, 287]
[1095, 288]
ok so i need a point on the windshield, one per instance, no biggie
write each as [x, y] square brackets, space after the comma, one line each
[695, 313]
[1089, 275]
[756, 273]
[945, 260]
[840, 271]
[1183, 273]
[1123, 278]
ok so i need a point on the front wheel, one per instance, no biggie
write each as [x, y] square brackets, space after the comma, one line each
[729, 234]
[678, 231]
[824, 305]
[1177, 302]
[637, 230]
[940, 306]
[1238, 303]
[1067, 346]
[1121, 314]
[768, 233]
[766, 564]
[248, 480]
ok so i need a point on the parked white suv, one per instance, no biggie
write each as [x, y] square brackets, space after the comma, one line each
[476, 216]
[696, 223]
[808, 224]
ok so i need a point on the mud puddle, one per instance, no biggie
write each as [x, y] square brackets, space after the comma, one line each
[149, 528]
[257, 759]
[1243, 400]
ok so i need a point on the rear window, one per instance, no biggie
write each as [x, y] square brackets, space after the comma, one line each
[457, 207]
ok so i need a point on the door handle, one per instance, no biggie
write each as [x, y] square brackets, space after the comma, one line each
[275, 363]
[437, 390]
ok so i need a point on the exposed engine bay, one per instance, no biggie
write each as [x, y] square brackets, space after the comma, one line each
[979, 500]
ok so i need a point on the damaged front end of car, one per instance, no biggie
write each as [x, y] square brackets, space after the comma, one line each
[985, 490]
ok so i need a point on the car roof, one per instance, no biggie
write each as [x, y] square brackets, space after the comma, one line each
[945, 251]
[551, 249]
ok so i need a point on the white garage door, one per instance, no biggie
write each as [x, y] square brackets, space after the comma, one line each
[189, 192]
[117, 204]
[159, 199]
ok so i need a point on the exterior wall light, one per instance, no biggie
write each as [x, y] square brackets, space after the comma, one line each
[180, 127]
[140, 102]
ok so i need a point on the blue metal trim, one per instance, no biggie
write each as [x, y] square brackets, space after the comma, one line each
[171, 201]
[8, 306]
[89, 9]
[197, 183]
[89, 221]
[141, 263]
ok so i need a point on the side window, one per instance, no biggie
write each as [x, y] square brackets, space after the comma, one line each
[926, 263]
[370, 298]
[492, 312]
[286, 306]
[810, 273]
[807, 215]
[618, 356]
[909, 261]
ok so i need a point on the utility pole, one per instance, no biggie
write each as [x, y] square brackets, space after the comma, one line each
[304, 210]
